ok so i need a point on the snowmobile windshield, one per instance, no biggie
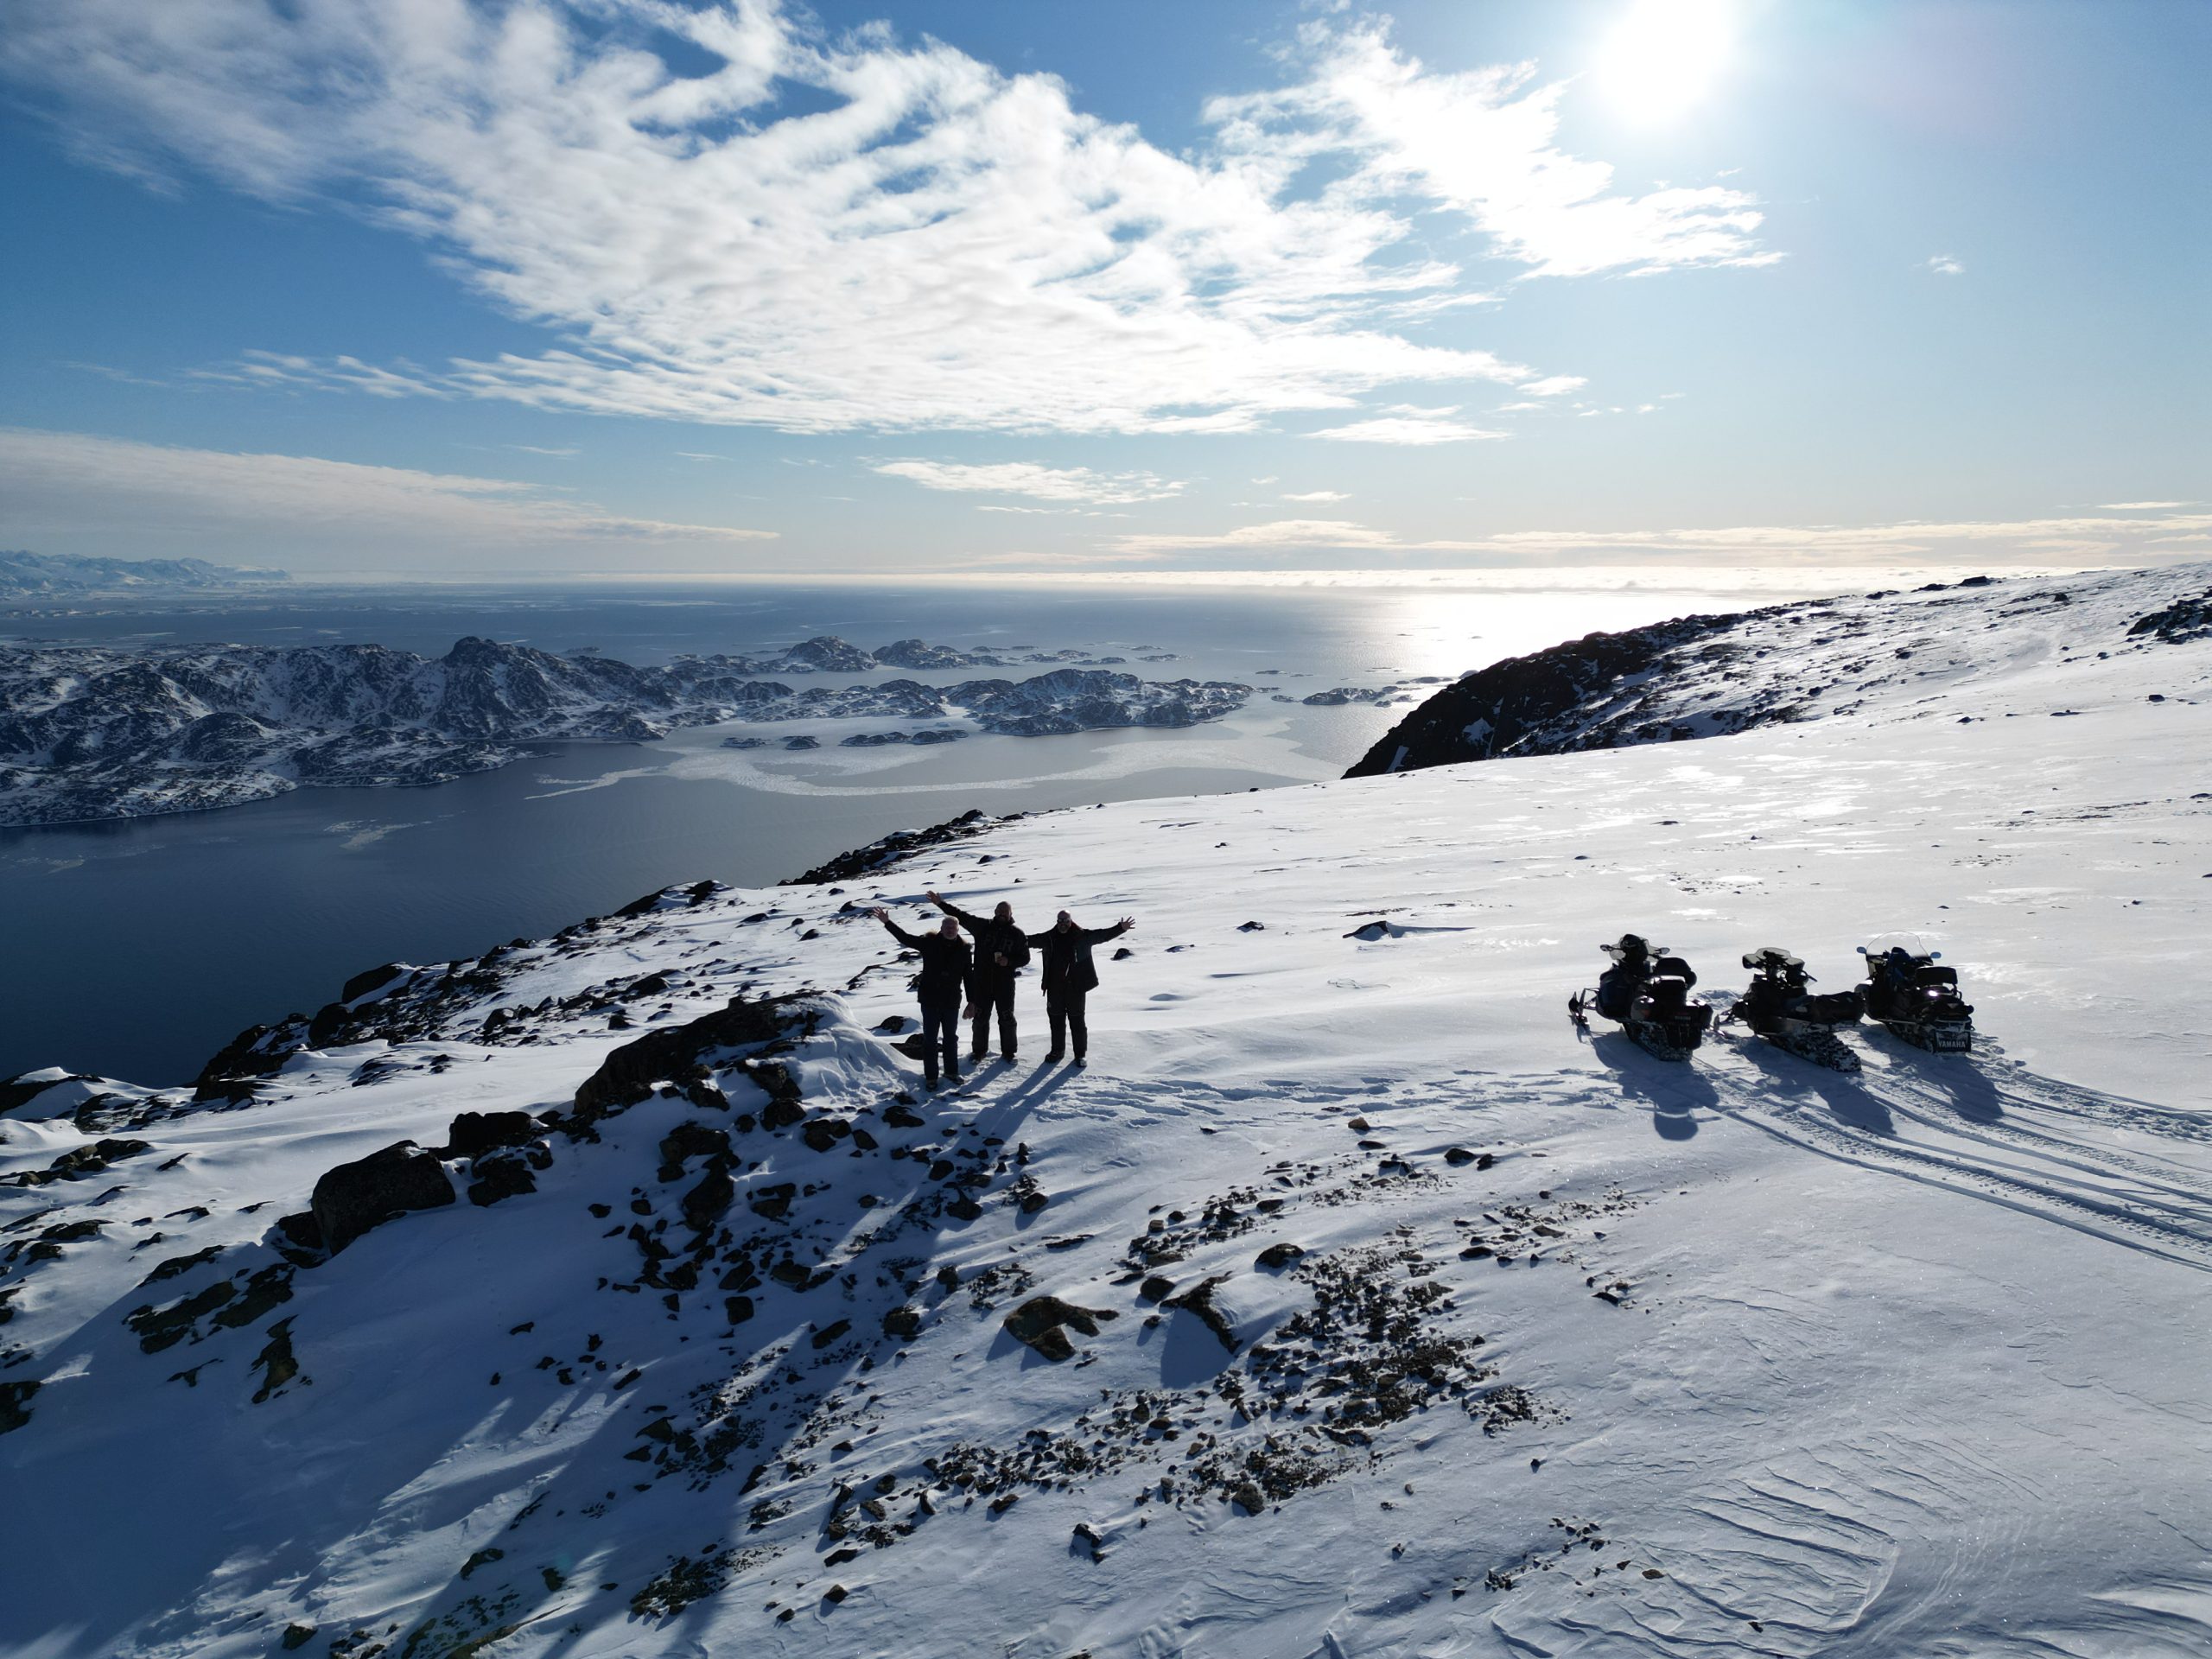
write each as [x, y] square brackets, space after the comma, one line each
[1912, 944]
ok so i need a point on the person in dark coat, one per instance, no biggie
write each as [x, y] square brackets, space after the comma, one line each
[1071, 976]
[947, 980]
[1001, 951]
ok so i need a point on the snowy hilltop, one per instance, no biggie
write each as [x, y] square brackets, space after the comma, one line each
[93, 732]
[43, 575]
[623, 1293]
[1883, 657]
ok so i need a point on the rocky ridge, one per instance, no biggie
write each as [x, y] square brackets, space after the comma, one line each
[1708, 676]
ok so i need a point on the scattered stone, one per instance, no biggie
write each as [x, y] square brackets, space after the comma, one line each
[1279, 1256]
[1458, 1156]
[298, 1636]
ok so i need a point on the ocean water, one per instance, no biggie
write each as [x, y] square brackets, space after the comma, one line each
[137, 949]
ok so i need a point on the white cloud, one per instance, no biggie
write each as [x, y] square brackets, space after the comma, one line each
[821, 232]
[2032, 540]
[2143, 506]
[1407, 425]
[540, 450]
[1481, 143]
[1323, 496]
[65, 492]
[1552, 384]
[1943, 265]
[1027, 478]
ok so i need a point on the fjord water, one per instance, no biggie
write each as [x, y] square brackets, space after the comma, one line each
[136, 949]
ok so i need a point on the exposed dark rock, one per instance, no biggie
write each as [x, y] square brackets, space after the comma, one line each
[1279, 1255]
[903, 1323]
[298, 1636]
[823, 1134]
[1039, 1323]
[675, 1053]
[14, 1403]
[2185, 620]
[275, 1361]
[880, 854]
[499, 1175]
[705, 1204]
[353, 1197]
[1198, 1300]
[1547, 702]
[737, 1309]
[474, 1134]
[375, 979]
[79, 1162]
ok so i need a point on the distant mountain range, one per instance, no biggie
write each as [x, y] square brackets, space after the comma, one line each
[92, 732]
[28, 575]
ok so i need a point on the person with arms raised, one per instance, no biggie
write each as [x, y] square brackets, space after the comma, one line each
[947, 978]
[1001, 951]
[1070, 976]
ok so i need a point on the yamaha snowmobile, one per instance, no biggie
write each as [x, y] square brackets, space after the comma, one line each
[1918, 1000]
[1778, 1007]
[1649, 993]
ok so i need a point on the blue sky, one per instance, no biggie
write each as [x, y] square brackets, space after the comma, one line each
[429, 288]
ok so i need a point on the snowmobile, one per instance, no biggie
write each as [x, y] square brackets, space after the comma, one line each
[1778, 1007]
[1647, 991]
[1915, 998]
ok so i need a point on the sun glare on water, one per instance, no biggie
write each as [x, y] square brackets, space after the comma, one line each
[1663, 56]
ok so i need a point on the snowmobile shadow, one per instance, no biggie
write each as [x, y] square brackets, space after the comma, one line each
[1848, 1102]
[1965, 1084]
[1672, 1091]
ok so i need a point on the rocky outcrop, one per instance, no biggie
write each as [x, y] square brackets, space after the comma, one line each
[1043, 1322]
[1580, 695]
[881, 854]
[354, 1198]
[677, 1053]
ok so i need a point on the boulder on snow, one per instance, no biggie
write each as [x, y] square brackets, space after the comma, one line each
[353, 1197]
[376, 979]
[1039, 1323]
[474, 1134]
[504, 1175]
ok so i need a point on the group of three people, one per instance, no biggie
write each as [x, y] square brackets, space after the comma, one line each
[956, 982]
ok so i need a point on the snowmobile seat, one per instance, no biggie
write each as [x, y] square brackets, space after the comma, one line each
[1675, 968]
[1930, 975]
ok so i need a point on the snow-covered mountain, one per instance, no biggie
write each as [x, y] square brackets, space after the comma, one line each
[1883, 657]
[1352, 1301]
[38, 576]
[89, 733]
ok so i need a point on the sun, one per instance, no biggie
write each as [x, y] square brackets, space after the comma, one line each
[1663, 56]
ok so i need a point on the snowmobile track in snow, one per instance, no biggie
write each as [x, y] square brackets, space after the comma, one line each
[2127, 1198]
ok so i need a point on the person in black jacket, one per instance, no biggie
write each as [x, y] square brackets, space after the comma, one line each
[948, 978]
[1001, 951]
[1071, 976]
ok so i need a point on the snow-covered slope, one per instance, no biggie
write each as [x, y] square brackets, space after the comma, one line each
[1881, 657]
[1397, 1316]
